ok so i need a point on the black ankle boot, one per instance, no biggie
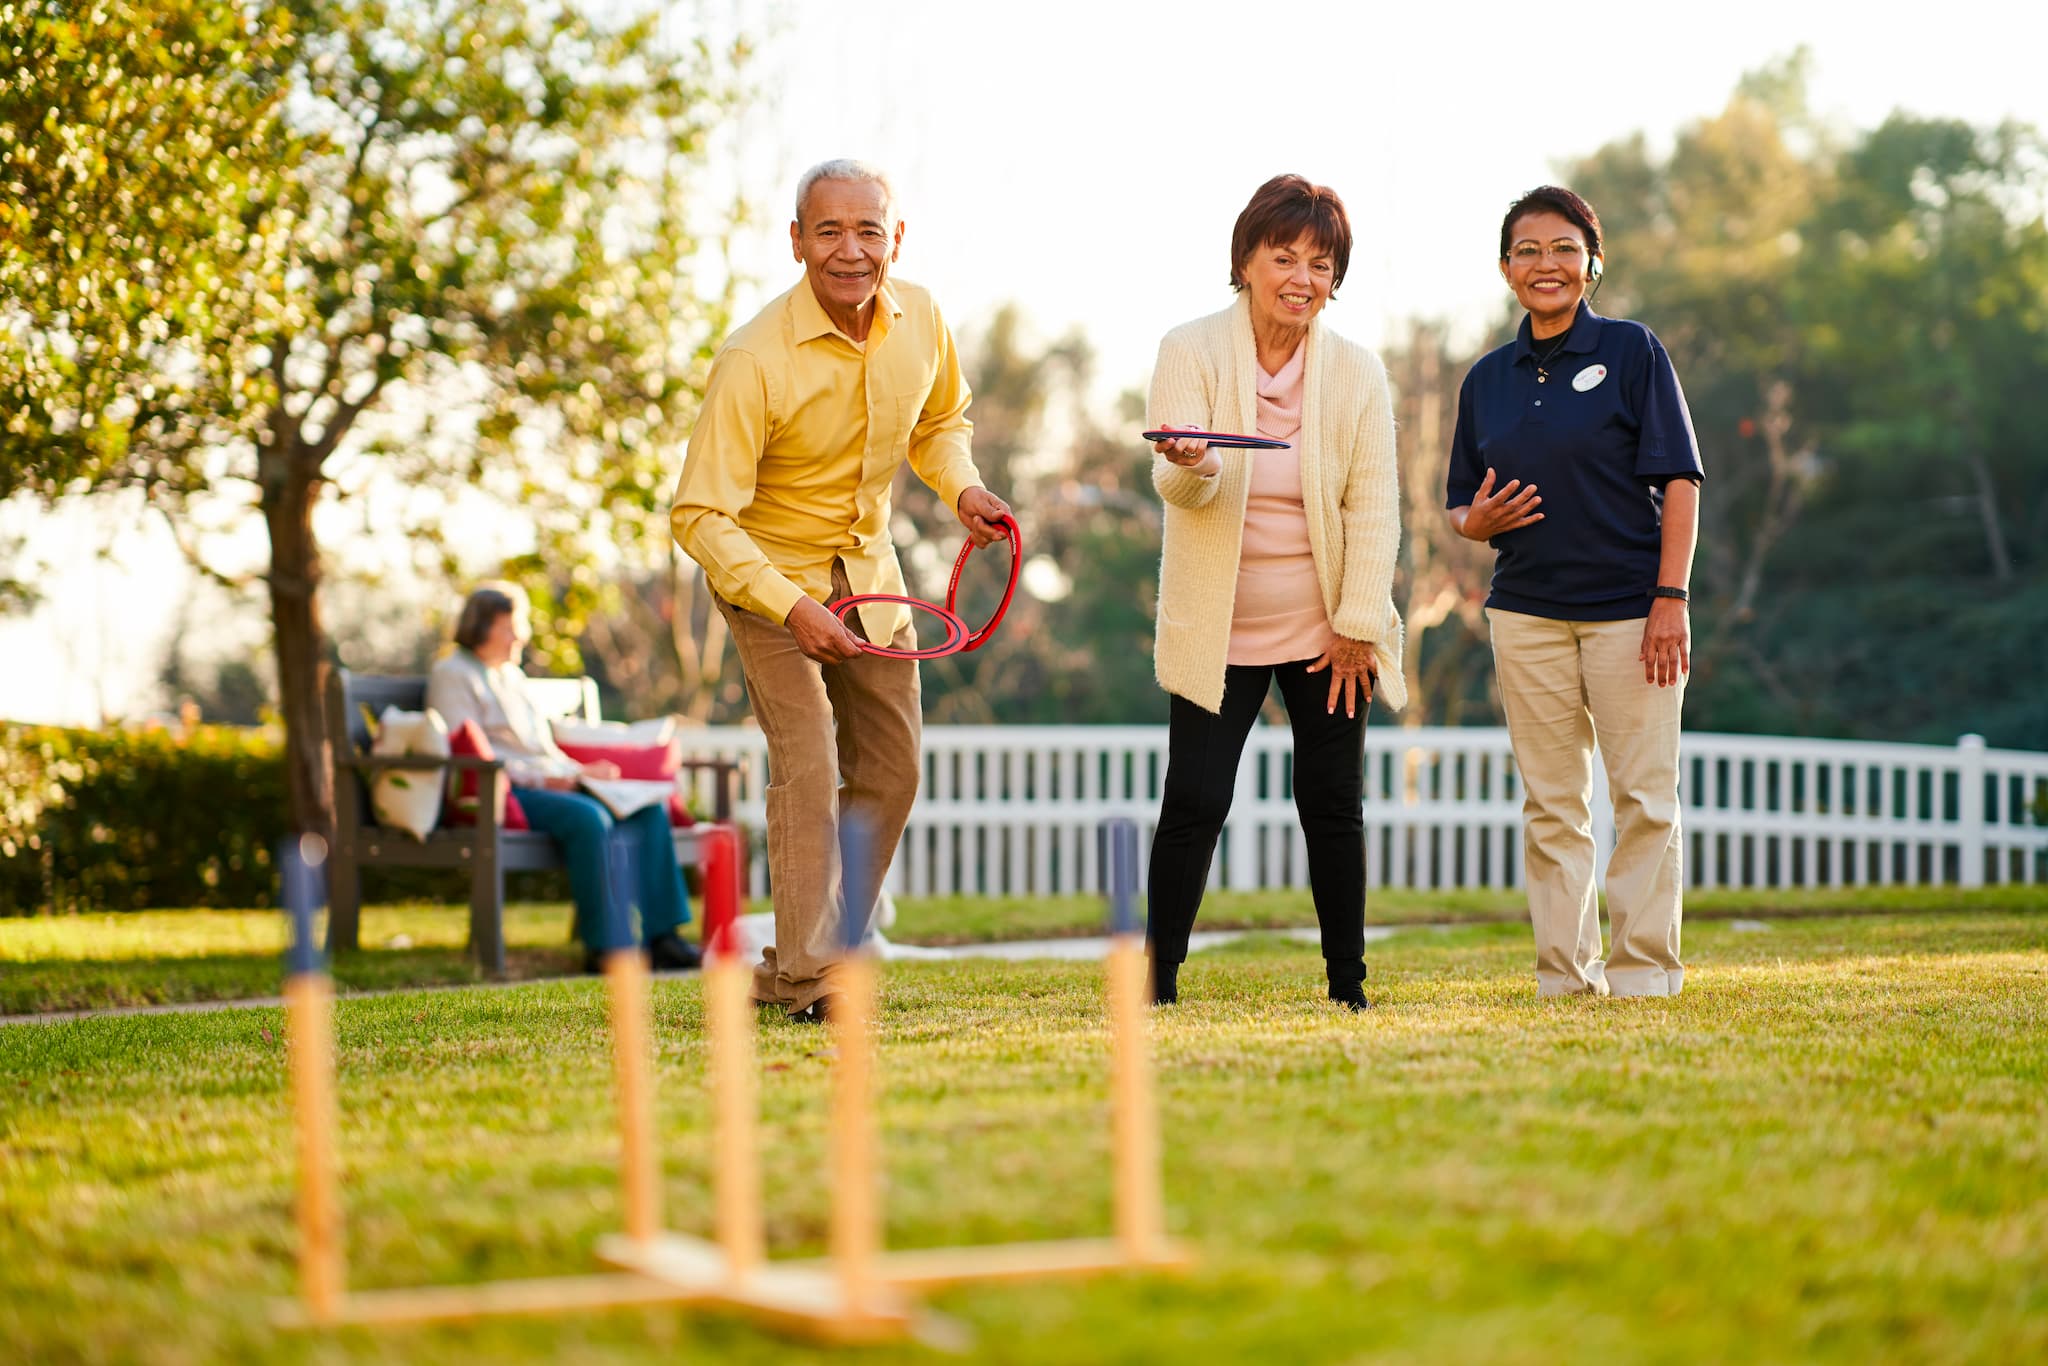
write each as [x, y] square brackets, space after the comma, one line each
[1165, 983]
[1347, 986]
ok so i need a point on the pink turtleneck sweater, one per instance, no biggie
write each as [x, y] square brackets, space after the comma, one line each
[1278, 614]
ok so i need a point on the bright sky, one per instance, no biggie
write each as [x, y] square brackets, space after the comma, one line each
[1086, 161]
[1087, 158]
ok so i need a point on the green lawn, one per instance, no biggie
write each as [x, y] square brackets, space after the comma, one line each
[50, 963]
[1831, 1147]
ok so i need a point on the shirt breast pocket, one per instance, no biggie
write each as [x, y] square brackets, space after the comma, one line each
[907, 407]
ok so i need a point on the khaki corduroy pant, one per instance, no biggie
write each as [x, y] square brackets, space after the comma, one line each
[842, 739]
[1565, 684]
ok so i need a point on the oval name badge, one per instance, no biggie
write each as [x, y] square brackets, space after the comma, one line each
[1589, 377]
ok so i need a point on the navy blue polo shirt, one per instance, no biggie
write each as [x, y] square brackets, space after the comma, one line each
[1599, 439]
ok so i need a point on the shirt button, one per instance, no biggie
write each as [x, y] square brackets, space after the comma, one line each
[1539, 403]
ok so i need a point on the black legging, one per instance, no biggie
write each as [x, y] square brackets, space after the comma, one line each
[1202, 751]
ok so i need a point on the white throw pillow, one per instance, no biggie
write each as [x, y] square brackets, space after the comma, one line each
[621, 734]
[409, 799]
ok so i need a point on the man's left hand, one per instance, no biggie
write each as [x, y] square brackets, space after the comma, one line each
[980, 512]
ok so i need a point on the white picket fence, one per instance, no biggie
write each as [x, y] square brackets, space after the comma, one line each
[1014, 810]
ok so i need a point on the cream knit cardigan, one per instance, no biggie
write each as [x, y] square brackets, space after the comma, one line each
[1208, 374]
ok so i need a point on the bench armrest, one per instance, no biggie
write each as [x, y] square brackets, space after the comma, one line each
[380, 763]
[725, 769]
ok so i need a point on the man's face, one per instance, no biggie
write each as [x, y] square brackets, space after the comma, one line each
[846, 242]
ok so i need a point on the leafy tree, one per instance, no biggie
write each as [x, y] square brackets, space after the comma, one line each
[1082, 653]
[1443, 578]
[131, 149]
[1859, 321]
[459, 247]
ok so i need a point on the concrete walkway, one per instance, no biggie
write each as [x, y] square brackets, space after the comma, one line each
[755, 931]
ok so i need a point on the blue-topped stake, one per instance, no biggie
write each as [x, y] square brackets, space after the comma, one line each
[302, 882]
[618, 894]
[856, 870]
[1121, 835]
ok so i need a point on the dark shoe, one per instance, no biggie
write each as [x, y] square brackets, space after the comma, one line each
[1165, 983]
[672, 953]
[817, 1012]
[1347, 983]
[1350, 995]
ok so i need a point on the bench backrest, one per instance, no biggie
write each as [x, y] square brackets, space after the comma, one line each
[565, 697]
[348, 694]
[376, 692]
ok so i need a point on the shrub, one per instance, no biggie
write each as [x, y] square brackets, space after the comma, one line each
[133, 820]
[121, 820]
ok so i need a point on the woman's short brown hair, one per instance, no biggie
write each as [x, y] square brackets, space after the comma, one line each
[1282, 210]
[480, 612]
[1566, 204]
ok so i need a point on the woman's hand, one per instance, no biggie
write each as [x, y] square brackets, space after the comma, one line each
[1490, 514]
[1667, 643]
[602, 769]
[558, 782]
[1183, 451]
[1351, 673]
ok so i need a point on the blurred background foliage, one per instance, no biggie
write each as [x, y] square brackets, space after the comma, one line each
[473, 251]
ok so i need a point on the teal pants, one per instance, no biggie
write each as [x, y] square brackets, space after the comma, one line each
[586, 830]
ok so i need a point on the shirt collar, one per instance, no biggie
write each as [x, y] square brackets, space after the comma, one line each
[813, 322]
[1584, 336]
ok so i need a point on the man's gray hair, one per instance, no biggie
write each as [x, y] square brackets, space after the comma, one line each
[846, 168]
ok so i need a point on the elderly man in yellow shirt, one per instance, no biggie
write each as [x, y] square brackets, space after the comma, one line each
[810, 410]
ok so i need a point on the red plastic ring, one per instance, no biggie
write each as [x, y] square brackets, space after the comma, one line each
[956, 629]
[976, 639]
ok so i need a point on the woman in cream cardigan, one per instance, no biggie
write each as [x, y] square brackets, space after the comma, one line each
[1278, 568]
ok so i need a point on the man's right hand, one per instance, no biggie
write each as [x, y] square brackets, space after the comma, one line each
[820, 634]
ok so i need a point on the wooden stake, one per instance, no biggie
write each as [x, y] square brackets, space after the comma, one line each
[856, 1223]
[737, 1175]
[627, 973]
[1140, 1226]
[309, 1024]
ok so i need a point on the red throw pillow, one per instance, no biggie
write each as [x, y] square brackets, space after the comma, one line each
[649, 763]
[469, 739]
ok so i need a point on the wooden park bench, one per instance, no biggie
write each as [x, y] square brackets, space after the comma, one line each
[483, 850]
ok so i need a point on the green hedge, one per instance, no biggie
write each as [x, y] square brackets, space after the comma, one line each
[134, 820]
[122, 820]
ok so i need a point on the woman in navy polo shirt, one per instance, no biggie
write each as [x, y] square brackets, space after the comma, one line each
[1575, 459]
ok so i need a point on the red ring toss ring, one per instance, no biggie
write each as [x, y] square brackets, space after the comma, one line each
[976, 639]
[958, 637]
[956, 629]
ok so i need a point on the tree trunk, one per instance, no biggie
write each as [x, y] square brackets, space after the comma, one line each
[291, 485]
[1782, 500]
[1987, 512]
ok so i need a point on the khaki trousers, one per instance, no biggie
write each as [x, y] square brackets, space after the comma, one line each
[1565, 684]
[842, 740]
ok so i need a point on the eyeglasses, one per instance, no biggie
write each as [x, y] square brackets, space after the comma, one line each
[1565, 253]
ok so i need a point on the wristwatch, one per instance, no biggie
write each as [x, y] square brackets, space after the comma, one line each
[1667, 591]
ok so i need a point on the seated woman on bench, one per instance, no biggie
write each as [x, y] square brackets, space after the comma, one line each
[482, 682]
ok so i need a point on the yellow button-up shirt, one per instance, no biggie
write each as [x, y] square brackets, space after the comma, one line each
[800, 437]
